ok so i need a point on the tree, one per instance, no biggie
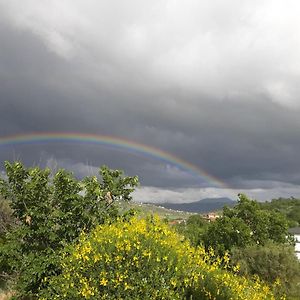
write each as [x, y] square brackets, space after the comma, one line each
[6, 218]
[294, 216]
[52, 212]
[7, 222]
[193, 229]
[226, 232]
[246, 224]
[290, 207]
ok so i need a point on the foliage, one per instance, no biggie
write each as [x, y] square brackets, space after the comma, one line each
[196, 220]
[7, 221]
[294, 217]
[272, 263]
[51, 213]
[227, 232]
[145, 259]
[246, 224]
[290, 207]
[193, 229]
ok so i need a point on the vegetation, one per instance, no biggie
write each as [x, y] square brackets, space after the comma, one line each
[289, 207]
[257, 238]
[246, 224]
[63, 238]
[7, 219]
[272, 262]
[145, 259]
[146, 209]
[194, 229]
[51, 213]
[7, 222]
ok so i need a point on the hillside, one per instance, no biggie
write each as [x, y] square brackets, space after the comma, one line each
[150, 209]
[202, 206]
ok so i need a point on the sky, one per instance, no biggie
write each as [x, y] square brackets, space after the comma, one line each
[212, 83]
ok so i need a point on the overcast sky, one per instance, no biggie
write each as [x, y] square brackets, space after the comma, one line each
[214, 82]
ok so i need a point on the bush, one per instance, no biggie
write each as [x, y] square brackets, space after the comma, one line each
[145, 259]
[273, 263]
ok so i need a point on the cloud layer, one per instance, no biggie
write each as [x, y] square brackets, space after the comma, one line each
[214, 83]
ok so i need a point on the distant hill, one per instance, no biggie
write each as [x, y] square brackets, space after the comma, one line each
[145, 209]
[201, 206]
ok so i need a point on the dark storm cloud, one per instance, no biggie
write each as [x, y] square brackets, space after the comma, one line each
[216, 88]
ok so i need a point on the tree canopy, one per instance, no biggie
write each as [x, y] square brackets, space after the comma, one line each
[245, 224]
[52, 211]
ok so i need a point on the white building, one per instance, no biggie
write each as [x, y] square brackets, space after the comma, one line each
[297, 246]
[296, 233]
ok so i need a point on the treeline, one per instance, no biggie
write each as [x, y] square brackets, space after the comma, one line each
[64, 238]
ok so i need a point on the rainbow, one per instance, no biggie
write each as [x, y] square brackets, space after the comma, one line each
[116, 143]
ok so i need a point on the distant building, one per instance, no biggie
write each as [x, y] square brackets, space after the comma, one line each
[295, 231]
[297, 246]
[177, 221]
[210, 217]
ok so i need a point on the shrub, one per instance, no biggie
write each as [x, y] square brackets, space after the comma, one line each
[272, 263]
[145, 259]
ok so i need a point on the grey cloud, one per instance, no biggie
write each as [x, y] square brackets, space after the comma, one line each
[214, 85]
[159, 195]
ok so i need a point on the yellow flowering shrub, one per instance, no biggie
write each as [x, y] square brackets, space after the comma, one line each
[145, 259]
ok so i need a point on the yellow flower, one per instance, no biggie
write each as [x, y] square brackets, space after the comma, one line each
[127, 286]
[97, 257]
[104, 281]
[140, 247]
[173, 282]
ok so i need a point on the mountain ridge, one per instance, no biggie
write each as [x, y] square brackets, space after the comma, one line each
[202, 206]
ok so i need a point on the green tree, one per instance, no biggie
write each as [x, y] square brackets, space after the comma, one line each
[193, 229]
[7, 219]
[7, 222]
[52, 212]
[226, 232]
[290, 207]
[294, 216]
[245, 224]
